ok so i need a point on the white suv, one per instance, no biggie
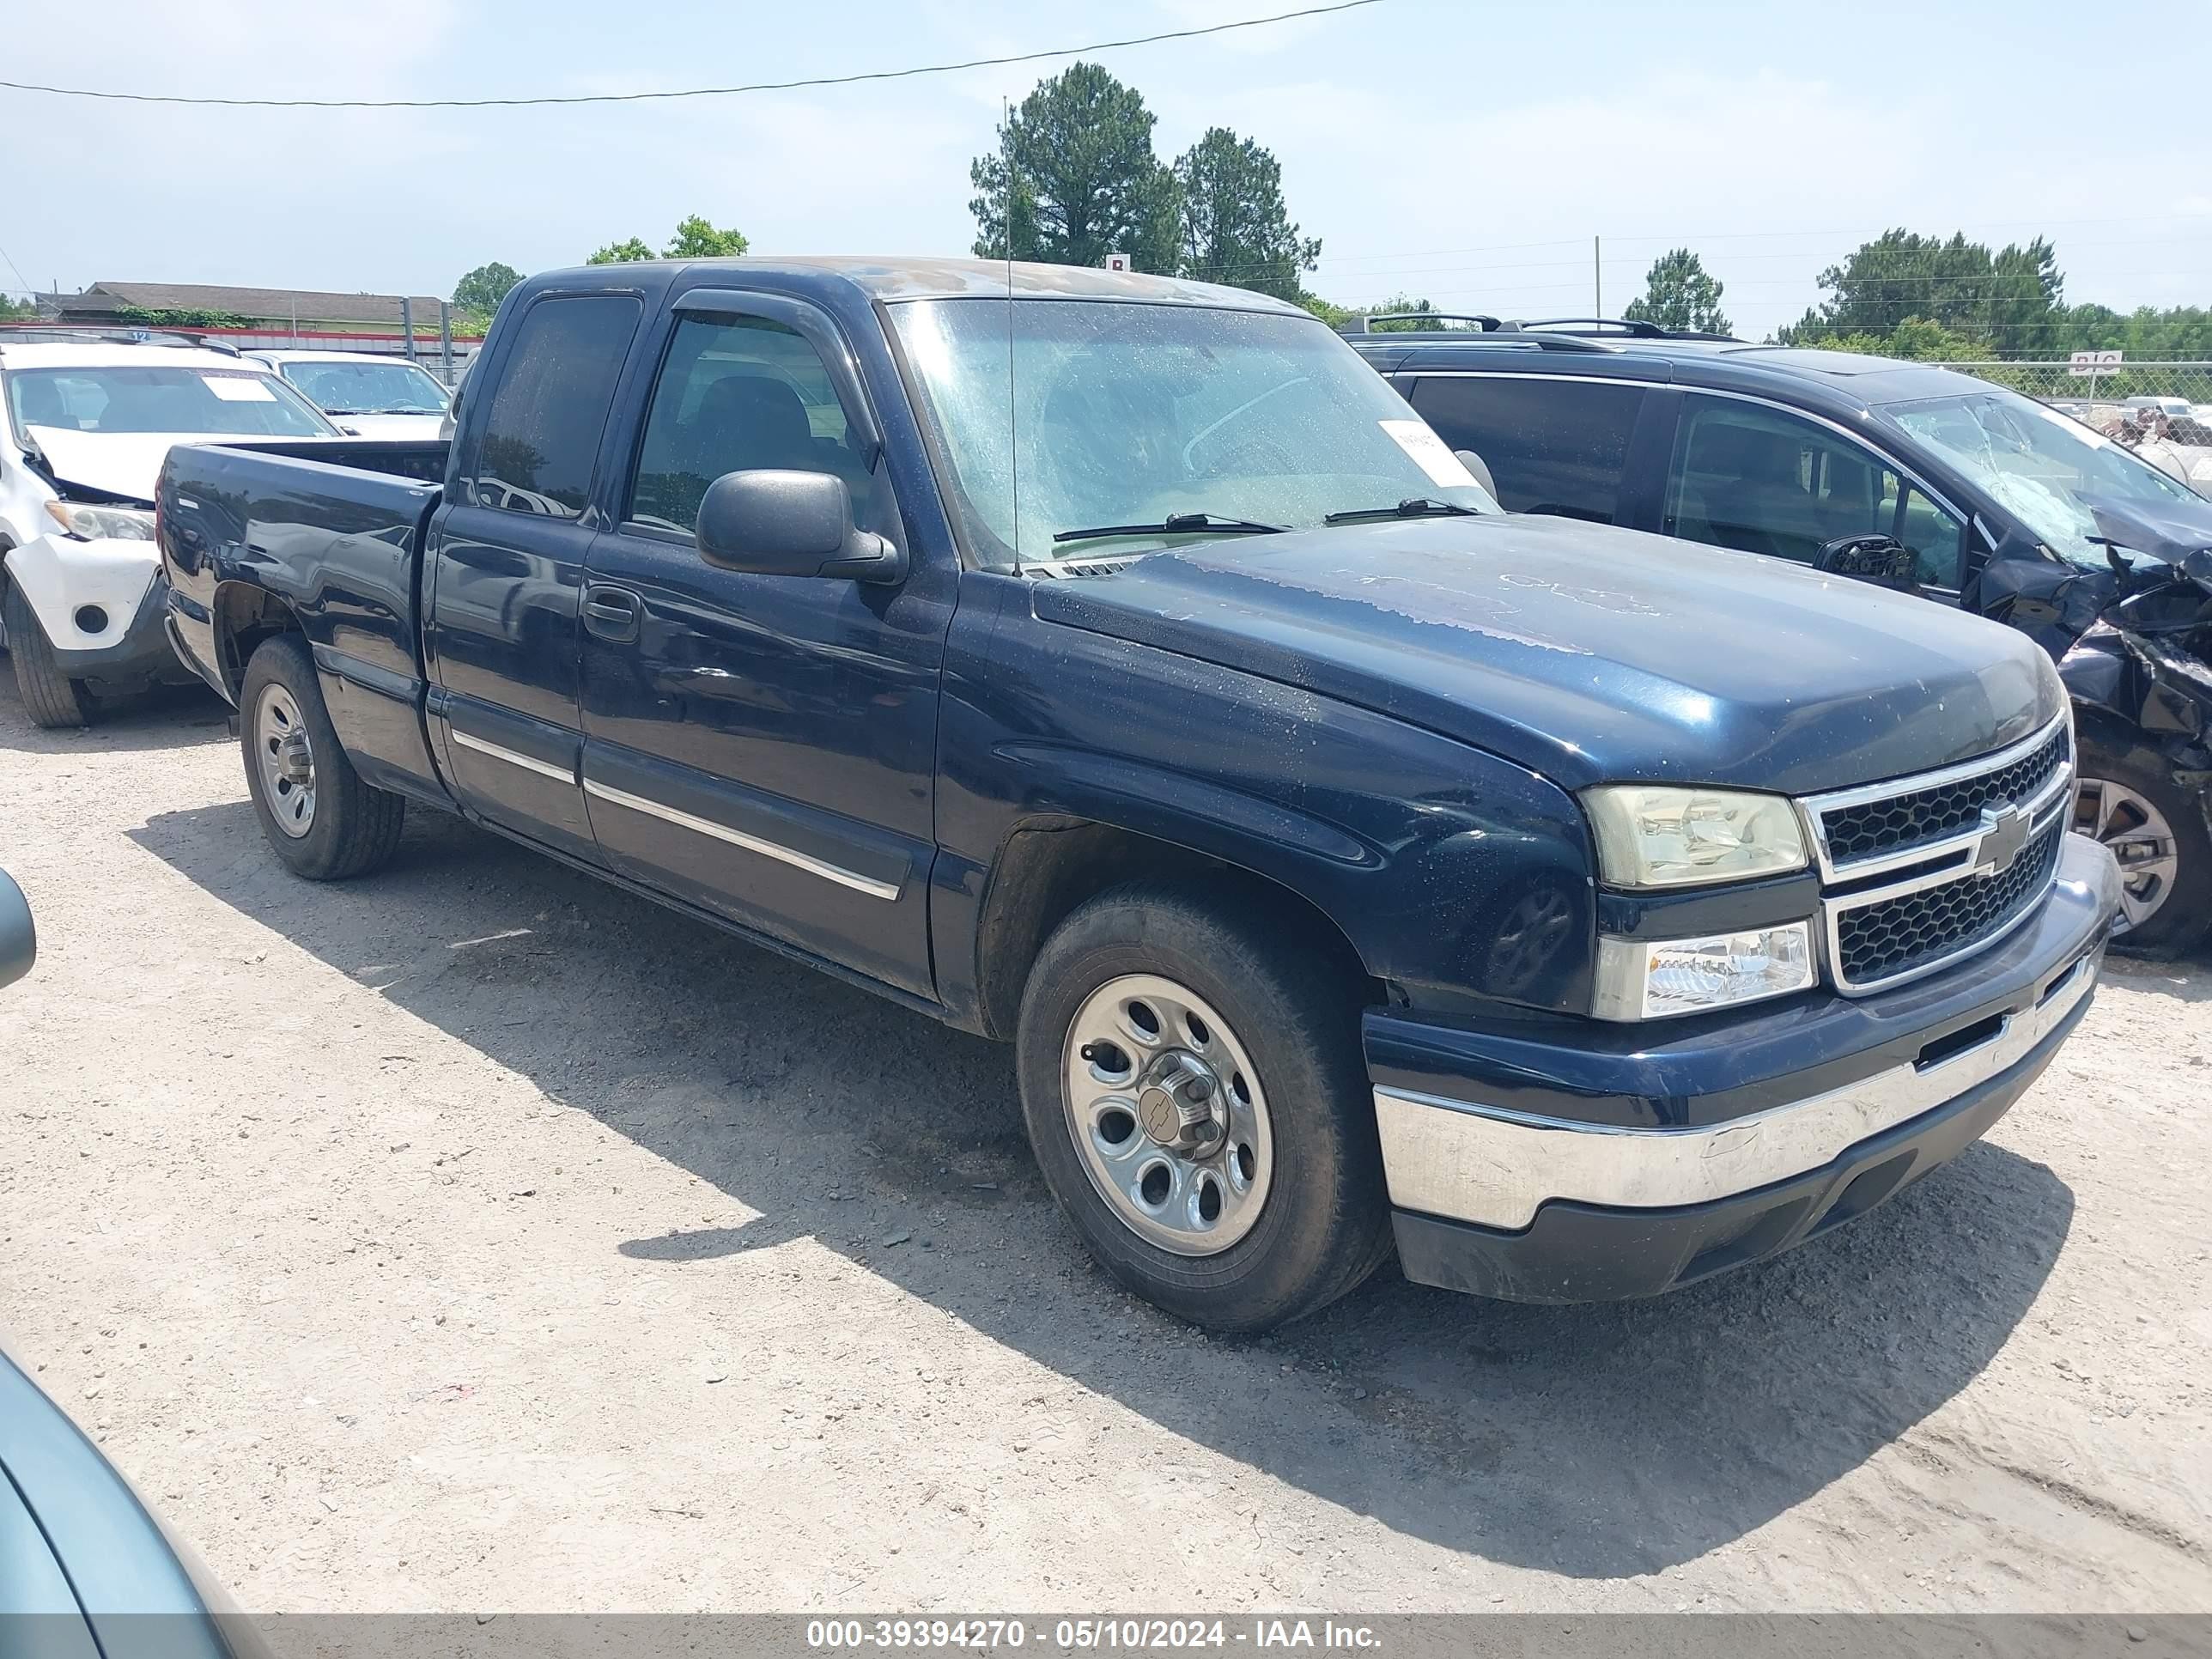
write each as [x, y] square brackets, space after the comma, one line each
[85, 424]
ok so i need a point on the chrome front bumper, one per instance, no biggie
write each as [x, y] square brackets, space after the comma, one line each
[1497, 1169]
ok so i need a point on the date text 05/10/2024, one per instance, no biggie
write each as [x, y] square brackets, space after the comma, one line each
[1115, 1634]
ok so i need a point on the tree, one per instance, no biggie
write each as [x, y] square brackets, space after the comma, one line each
[1397, 302]
[1084, 181]
[480, 292]
[1917, 339]
[2011, 301]
[622, 254]
[1678, 292]
[16, 310]
[695, 238]
[1235, 227]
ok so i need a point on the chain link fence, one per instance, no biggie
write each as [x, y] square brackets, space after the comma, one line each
[2056, 382]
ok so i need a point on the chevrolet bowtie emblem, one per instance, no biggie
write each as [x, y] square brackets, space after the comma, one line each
[2004, 832]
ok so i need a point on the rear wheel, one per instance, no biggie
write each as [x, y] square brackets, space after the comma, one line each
[2157, 834]
[1194, 1086]
[324, 823]
[51, 697]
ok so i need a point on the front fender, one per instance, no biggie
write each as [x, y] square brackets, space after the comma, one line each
[1453, 872]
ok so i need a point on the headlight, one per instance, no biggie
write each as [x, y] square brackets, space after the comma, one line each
[96, 524]
[1650, 979]
[1659, 836]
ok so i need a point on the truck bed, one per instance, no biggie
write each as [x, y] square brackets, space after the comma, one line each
[334, 531]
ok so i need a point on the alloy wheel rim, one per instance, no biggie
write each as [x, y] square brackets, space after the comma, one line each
[1168, 1115]
[286, 760]
[2141, 843]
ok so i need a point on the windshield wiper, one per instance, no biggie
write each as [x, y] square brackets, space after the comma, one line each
[1176, 524]
[1413, 507]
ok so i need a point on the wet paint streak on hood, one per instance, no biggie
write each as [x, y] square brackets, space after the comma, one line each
[110, 463]
[1590, 655]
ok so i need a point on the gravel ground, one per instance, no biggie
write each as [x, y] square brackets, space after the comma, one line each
[477, 1236]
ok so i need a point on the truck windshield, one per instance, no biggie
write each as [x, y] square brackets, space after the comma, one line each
[2037, 464]
[166, 398]
[367, 388]
[1161, 422]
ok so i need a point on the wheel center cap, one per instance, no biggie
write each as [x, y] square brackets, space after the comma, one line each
[1175, 1107]
[294, 763]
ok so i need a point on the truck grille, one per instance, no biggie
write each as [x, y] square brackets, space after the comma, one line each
[1890, 938]
[1918, 816]
[1920, 870]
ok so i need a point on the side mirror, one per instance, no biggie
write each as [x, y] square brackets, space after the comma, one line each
[19, 940]
[775, 523]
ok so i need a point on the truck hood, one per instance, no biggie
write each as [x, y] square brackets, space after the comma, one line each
[110, 463]
[1590, 655]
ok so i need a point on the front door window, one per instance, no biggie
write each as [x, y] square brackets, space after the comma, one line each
[1764, 481]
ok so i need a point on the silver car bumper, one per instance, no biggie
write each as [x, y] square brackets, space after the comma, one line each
[1467, 1162]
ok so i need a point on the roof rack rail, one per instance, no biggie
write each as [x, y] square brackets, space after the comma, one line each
[95, 334]
[1636, 326]
[1363, 323]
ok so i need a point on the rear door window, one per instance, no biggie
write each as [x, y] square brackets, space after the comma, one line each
[541, 434]
[1552, 445]
[1765, 480]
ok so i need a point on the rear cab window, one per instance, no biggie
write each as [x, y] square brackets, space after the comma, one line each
[536, 450]
[1553, 446]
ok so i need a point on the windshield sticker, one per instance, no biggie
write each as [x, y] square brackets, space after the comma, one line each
[238, 388]
[1428, 452]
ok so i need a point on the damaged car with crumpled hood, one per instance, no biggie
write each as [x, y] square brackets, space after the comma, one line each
[2106, 563]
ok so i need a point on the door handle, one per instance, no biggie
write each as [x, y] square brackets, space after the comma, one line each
[613, 613]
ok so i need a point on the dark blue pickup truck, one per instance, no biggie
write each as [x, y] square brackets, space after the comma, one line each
[1117, 666]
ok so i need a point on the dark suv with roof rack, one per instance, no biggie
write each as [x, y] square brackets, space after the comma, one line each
[1912, 476]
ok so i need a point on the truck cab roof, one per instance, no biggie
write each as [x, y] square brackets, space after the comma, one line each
[891, 280]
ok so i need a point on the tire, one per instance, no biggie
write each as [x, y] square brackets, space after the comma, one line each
[51, 697]
[1317, 1222]
[2179, 895]
[325, 824]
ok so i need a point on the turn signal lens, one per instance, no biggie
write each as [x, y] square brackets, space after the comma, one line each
[1653, 979]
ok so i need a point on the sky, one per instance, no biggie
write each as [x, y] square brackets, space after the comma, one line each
[1466, 152]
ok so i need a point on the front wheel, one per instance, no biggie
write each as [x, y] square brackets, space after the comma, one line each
[1192, 1079]
[324, 823]
[51, 697]
[2157, 834]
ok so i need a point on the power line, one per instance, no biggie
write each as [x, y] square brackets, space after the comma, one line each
[685, 92]
[27, 291]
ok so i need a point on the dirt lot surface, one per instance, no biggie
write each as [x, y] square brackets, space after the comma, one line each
[477, 1236]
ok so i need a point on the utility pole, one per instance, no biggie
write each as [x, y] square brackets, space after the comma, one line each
[1598, 277]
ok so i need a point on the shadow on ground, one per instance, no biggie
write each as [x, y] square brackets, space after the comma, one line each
[167, 717]
[1598, 1442]
[2180, 975]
